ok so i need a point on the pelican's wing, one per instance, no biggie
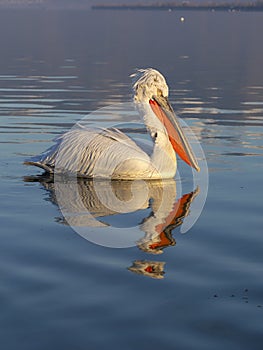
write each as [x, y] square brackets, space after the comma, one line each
[91, 153]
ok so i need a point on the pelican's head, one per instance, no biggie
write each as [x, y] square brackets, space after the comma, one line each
[149, 83]
[151, 90]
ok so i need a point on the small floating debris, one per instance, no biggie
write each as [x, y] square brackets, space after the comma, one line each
[182, 19]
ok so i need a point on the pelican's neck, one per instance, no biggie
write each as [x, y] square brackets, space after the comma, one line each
[163, 157]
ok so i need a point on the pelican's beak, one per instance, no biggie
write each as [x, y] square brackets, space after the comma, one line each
[164, 111]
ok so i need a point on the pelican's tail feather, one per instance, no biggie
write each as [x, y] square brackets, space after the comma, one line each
[45, 160]
[47, 168]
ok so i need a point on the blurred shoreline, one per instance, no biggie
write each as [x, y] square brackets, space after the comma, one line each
[187, 5]
[195, 5]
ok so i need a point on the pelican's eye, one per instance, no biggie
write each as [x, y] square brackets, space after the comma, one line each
[159, 92]
[154, 135]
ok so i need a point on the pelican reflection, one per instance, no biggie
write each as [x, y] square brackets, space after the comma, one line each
[148, 210]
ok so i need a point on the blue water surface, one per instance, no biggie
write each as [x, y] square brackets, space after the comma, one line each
[61, 291]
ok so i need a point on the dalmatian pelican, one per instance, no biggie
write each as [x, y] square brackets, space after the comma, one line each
[110, 153]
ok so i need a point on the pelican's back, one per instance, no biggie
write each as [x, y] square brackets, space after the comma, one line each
[105, 153]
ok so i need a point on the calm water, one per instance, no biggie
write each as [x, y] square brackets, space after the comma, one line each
[61, 291]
